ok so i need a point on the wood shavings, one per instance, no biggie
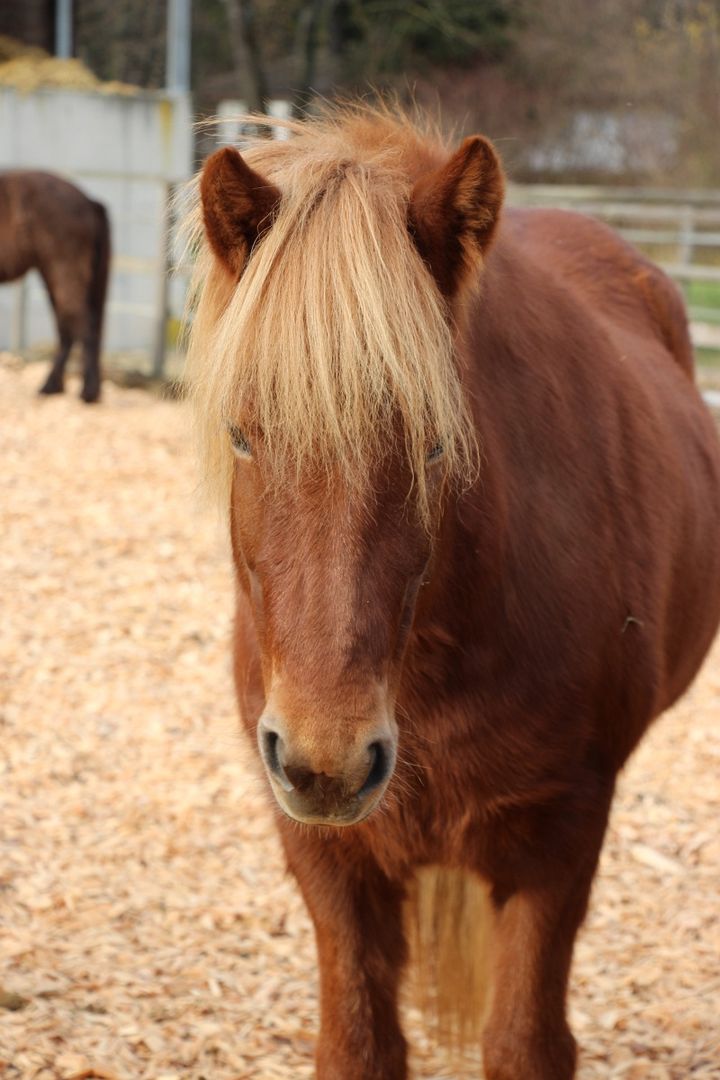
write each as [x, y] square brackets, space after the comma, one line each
[145, 917]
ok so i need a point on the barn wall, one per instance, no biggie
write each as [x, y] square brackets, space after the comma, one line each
[124, 151]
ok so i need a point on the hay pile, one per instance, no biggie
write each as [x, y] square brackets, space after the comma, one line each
[27, 68]
[147, 931]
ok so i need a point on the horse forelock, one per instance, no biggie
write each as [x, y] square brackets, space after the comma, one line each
[335, 338]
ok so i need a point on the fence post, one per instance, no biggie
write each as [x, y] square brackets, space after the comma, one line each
[687, 229]
[163, 285]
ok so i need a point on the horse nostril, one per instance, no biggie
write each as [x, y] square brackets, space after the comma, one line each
[271, 746]
[380, 767]
[271, 742]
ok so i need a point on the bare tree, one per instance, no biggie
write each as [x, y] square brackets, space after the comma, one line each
[308, 35]
[246, 50]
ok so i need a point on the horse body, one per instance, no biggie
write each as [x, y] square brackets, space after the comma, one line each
[49, 225]
[482, 678]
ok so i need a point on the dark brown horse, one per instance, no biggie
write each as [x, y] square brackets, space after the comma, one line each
[48, 225]
[475, 509]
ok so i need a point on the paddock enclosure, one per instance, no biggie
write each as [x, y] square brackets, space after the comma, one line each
[147, 930]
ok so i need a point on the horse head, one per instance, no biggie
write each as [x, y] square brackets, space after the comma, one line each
[333, 381]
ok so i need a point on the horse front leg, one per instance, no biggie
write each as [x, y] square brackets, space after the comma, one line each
[55, 382]
[357, 913]
[527, 1036]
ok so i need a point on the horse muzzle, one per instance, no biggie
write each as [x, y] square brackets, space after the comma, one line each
[316, 789]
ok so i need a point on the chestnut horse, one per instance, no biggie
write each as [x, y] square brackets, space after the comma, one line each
[475, 508]
[49, 225]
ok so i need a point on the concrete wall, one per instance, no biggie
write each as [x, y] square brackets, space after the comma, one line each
[124, 151]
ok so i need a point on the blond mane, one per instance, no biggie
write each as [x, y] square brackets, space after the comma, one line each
[335, 338]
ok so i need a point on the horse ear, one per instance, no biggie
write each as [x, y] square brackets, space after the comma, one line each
[454, 211]
[238, 206]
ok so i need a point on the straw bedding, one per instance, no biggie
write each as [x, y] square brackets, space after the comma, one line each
[147, 930]
[27, 68]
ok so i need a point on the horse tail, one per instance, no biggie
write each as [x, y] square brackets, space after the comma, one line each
[97, 288]
[448, 919]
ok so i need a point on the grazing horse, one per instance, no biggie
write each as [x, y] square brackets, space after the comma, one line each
[475, 504]
[48, 225]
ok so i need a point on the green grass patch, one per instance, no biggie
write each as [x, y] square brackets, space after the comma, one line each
[707, 358]
[702, 294]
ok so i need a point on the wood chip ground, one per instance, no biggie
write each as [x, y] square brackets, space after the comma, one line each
[147, 930]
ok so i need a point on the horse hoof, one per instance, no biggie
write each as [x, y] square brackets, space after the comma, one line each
[51, 388]
[90, 397]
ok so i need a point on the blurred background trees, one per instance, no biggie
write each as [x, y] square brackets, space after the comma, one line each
[635, 81]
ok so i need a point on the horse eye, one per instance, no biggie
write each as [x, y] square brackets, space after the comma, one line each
[240, 443]
[435, 452]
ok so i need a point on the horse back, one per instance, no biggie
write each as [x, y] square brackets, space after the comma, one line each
[607, 276]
